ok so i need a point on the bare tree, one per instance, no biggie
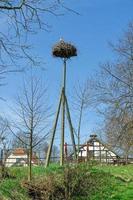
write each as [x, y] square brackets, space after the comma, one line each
[22, 17]
[4, 132]
[19, 19]
[80, 104]
[40, 149]
[55, 153]
[119, 133]
[20, 141]
[32, 116]
[112, 90]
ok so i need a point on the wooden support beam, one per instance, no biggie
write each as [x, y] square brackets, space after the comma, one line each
[53, 133]
[71, 128]
[63, 105]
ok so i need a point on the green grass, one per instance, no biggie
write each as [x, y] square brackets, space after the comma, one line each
[122, 178]
[11, 188]
[116, 181]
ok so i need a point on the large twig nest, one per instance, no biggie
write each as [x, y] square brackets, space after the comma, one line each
[64, 50]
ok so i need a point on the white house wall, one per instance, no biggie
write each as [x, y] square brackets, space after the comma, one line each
[99, 151]
[12, 159]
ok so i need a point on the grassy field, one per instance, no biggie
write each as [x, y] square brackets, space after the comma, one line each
[106, 182]
[122, 179]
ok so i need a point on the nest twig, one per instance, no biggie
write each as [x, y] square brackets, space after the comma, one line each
[64, 50]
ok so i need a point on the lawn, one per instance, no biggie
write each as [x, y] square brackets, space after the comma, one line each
[105, 182]
[123, 179]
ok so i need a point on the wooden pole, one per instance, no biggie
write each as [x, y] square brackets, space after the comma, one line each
[71, 127]
[53, 133]
[63, 116]
[63, 105]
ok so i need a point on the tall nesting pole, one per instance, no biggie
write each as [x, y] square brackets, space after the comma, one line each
[63, 115]
[65, 51]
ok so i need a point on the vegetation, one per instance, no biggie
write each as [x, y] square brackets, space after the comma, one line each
[112, 92]
[83, 181]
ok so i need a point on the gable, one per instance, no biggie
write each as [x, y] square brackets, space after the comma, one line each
[95, 149]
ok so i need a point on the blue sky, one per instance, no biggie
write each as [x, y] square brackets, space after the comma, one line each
[99, 21]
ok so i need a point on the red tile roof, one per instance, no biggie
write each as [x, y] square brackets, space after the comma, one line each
[19, 151]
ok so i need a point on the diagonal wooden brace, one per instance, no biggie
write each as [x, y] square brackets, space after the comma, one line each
[71, 127]
[53, 132]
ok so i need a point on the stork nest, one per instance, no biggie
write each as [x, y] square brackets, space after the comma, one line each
[64, 50]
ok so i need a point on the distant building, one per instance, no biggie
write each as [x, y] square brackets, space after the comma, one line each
[94, 149]
[19, 157]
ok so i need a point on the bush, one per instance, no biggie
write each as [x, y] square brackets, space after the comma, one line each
[73, 183]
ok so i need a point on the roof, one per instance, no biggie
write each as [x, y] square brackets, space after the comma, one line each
[19, 152]
[22, 152]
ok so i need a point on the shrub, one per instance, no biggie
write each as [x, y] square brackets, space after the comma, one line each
[75, 182]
